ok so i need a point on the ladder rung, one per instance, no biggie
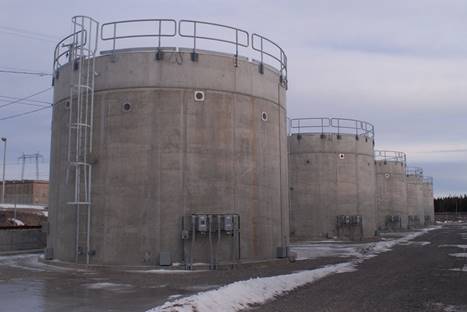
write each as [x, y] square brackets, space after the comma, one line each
[80, 163]
[82, 86]
[79, 203]
[76, 124]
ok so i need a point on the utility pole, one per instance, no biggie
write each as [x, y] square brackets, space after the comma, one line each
[3, 178]
[25, 157]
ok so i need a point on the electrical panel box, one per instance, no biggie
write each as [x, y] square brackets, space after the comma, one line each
[165, 259]
[48, 253]
[228, 223]
[202, 223]
[349, 220]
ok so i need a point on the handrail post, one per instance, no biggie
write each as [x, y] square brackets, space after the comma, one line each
[261, 66]
[159, 54]
[194, 55]
[113, 42]
[236, 47]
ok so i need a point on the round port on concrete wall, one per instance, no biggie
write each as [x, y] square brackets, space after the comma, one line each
[199, 96]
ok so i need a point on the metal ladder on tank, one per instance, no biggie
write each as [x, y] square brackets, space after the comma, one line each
[82, 52]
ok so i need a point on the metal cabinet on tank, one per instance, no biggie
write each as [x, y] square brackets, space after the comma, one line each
[391, 190]
[331, 178]
[164, 155]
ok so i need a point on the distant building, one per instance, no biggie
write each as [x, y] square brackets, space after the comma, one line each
[27, 192]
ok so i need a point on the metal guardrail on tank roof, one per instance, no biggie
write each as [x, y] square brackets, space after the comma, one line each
[325, 125]
[414, 171]
[428, 180]
[391, 156]
[200, 30]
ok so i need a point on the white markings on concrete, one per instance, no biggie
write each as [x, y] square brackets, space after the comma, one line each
[244, 294]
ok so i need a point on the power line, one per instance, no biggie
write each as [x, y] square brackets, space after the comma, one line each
[9, 98]
[25, 98]
[27, 34]
[8, 28]
[40, 74]
[27, 103]
[25, 113]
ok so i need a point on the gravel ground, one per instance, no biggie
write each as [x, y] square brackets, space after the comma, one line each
[413, 277]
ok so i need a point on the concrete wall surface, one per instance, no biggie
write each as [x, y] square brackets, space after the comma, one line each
[330, 175]
[22, 239]
[170, 156]
[429, 205]
[391, 194]
[415, 200]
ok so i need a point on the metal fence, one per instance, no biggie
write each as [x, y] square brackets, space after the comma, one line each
[415, 171]
[391, 156]
[117, 31]
[325, 125]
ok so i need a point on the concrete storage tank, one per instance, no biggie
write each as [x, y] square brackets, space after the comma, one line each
[415, 203]
[391, 190]
[331, 178]
[168, 154]
[429, 204]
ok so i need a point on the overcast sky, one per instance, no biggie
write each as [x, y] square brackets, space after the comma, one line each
[401, 65]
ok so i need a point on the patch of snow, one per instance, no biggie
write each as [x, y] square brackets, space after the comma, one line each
[243, 294]
[107, 285]
[175, 296]
[22, 206]
[459, 255]
[464, 269]
[16, 221]
[416, 243]
[164, 271]
[457, 246]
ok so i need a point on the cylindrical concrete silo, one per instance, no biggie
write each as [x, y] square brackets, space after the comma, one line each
[391, 190]
[331, 178]
[189, 155]
[429, 204]
[415, 202]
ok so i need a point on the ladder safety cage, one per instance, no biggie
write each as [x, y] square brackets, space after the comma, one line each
[279, 55]
[240, 37]
[82, 52]
[391, 156]
[65, 47]
[158, 25]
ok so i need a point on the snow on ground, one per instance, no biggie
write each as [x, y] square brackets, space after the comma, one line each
[16, 221]
[108, 286]
[22, 206]
[457, 246]
[244, 294]
[464, 269]
[459, 255]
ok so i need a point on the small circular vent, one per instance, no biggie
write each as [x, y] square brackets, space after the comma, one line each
[199, 96]
[126, 107]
